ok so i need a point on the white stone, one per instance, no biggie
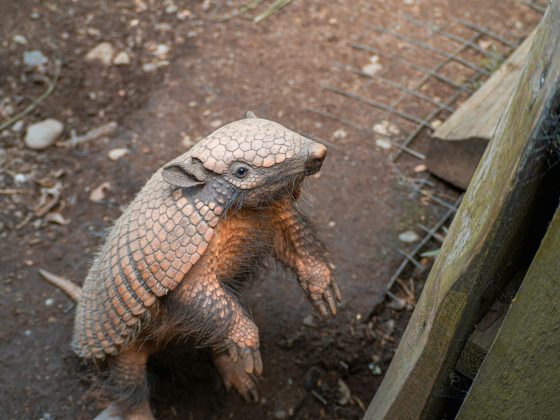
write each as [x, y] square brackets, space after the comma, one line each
[372, 69]
[34, 58]
[121, 59]
[41, 135]
[116, 154]
[409, 237]
[103, 53]
[20, 39]
[383, 143]
[339, 134]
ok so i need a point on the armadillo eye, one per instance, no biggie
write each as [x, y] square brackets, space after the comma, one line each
[241, 172]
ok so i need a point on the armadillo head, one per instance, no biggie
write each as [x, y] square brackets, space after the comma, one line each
[250, 162]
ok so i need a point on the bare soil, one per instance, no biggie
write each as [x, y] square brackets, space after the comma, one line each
[163, 101]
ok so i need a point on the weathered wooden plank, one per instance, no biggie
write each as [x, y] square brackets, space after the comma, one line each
[520, 377]
[478, 116]
[484, 243]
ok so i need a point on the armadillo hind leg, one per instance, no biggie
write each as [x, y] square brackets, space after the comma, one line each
[128, 388]
[233, 374]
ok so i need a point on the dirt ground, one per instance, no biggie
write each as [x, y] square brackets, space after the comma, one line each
[189, 74]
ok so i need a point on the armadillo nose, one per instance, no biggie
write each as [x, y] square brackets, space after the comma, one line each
[317, 151]
[316, 155]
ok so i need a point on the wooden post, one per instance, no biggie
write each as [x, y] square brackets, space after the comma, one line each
[520, 377]
[484, 243]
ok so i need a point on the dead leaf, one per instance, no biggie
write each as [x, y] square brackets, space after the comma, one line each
[98, 194]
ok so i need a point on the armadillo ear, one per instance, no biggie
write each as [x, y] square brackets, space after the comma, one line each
[185, 175]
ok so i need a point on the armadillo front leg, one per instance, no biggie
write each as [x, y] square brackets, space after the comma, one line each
[127, 386]
[220, 321]
[297, 247]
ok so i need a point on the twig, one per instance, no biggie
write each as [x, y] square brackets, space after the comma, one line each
[319, 397]
[238, 12]
[273, 8]
[11, 191]
[50, 89]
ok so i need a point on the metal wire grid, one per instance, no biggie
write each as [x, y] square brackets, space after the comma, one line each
[477, 73]
[429, 74]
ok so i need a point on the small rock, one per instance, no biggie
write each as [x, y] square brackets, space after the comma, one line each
[121, 59]
[372, 69]
[216, 124]
[20, 39]
[20, 179]
[98, 194]
[57, 218]
[375, 369]
[436, 123]
[49, 302]
[409, 237]
[103, 53]
[17, 127]
[28, 333]
[280, 414]
[309, 321]
[161, 50]
[34, 59]
[344, 391]
[339, 134]
[420, 168]
[381, 129]
[187, 141]
[193, 104]
[332, 224]
[41, 135]
[116, 154]
[383, 143]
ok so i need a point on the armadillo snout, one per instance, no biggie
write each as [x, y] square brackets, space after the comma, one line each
[315, 157]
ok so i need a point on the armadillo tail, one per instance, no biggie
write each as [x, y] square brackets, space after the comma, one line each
[71, 289]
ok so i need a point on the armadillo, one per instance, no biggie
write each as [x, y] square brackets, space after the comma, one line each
[202, 223]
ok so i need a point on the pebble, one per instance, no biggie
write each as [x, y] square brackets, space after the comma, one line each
[116, 154]
[385, 128]
[17, 127]
[102, 52]
[216, 124]
[28, 333]
[98, 193]
[280, 414]
[34, 59]
[339, 134]
[420, 168]
[332, 224]
[20, 39]
[309, 321]
[383, 143]
[49, 302]
[121, 59]
[43, 134]
[20, 179]
[373, 67]
[409, 237]
[344, 391]
[161, 50]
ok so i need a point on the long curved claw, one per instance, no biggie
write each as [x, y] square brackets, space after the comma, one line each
[336, 290]
[328, 296]
[258, 363]
[248, 364]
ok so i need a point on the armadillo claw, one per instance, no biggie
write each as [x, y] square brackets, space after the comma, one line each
[234, 374]
[250, 359]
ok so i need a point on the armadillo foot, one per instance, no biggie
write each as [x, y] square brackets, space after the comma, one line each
[234, 374]
[112, 412]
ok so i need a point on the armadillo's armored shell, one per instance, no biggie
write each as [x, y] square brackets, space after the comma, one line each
[162, 234]
[155, 242]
